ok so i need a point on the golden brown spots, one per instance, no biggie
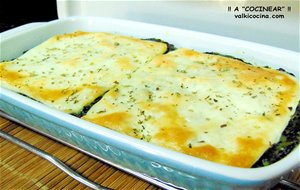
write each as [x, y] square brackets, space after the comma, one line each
[164, 63]
[71, 35]
[190, 53]
[106, 43]
[111, 120]
[171, 126]
[10, 76]
[55, 94]
[249, 144]
[288, 81]
[249, 74]
[206, 152]
[245, 157]
[177, 136]
[117, 121]
[124, 63]
[113, 93]
[247, 152]
[72, 62]
[284, 99]
[49, 94]
[246, 74]
[254, 75]
[279, 84]
[242, 160]
[285, 95]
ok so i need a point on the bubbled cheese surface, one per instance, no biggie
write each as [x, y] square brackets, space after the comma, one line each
[207, 106]
[70, 71]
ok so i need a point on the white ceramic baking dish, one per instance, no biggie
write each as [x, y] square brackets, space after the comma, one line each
[132, 154]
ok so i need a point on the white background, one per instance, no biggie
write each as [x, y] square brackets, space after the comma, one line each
[205, 16]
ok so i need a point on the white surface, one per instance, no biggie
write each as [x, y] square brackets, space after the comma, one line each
[20, 28]
[259, 54]
[199, 15]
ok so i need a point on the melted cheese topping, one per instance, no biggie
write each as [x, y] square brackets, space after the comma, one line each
[70, 71]
[207, 106]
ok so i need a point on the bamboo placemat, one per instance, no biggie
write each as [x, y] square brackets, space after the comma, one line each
[20, 169]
